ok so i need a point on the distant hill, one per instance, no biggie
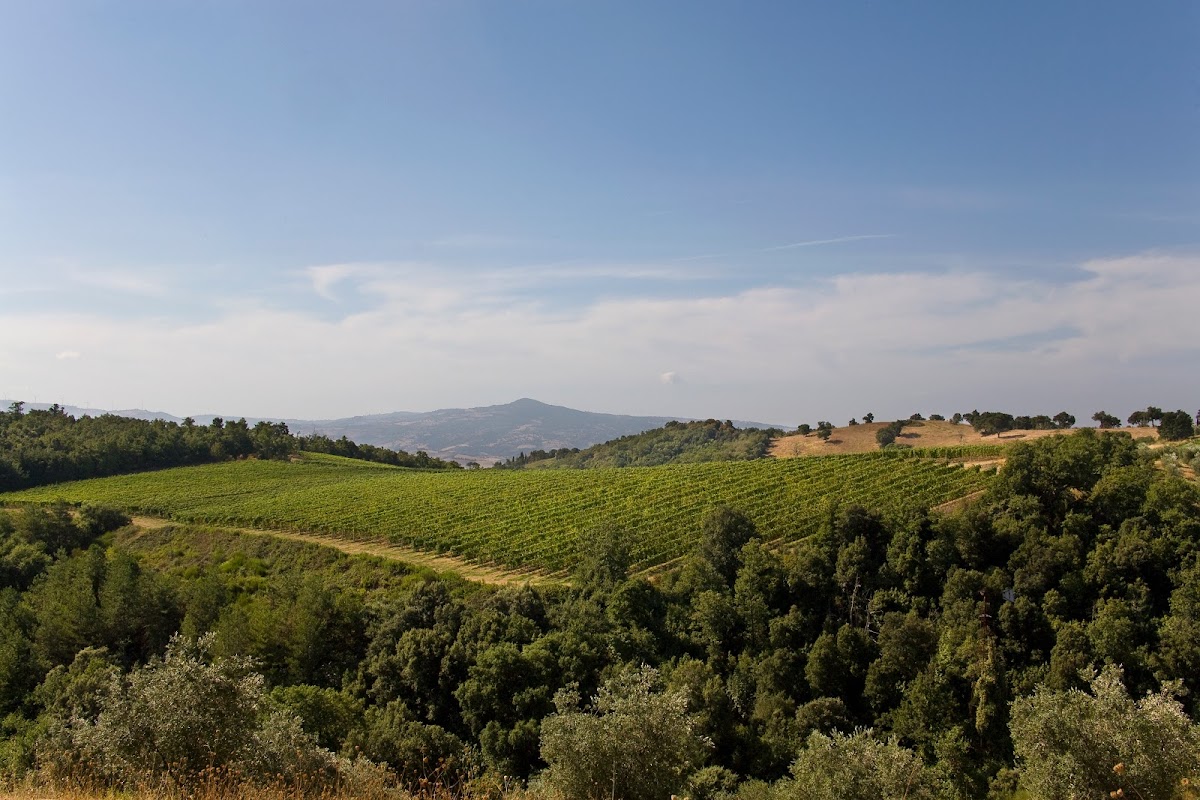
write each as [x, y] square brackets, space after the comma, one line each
[486, 434]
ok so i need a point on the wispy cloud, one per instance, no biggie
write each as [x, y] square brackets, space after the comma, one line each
[137, 283]
[480, 241]
[818, 242]
[790, 246]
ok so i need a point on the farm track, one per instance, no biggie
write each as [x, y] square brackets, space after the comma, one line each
[392, 552]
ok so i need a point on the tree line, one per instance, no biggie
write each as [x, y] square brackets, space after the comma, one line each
[39, 447]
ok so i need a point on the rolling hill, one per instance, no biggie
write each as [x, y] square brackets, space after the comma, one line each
[485, 434]
[522, 518]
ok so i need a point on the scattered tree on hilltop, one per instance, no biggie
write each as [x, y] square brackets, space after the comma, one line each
[1106, 420]
[1176, 425]
[870, 417]
[987, 423]
[887, 434]
[1064, 420]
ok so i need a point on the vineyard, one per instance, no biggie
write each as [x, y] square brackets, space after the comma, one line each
[522, 518]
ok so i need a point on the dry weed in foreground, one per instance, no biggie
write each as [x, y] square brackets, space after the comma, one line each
[217, 787]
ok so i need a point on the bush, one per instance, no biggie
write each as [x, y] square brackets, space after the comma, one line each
[176, 718]
[1074, 744]
[1176, 425]
[859, 767]
[633, 742]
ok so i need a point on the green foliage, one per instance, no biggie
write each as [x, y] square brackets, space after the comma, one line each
[674, 443]
[524, 518]
[141, 729]
[987, 423]
[1176, 425]
[858, 767]
[1106, 420]
[50, 446]
[888, 433]
[1074, 744]
[633, 741]
[724, 532]
[420, 753]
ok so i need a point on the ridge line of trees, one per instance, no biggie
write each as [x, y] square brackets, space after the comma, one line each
[44, 446]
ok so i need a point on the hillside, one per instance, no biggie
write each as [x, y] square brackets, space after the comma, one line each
[744, 665]
[673, 443]
[484, 434]
[521, 518]
[928, 433]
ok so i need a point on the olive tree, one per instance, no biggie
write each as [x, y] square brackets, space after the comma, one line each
[632, 742]
[1075, 744]
[180, 715]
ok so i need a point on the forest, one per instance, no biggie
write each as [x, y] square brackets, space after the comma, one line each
[1042, 641]
[674, 443]
[39, 447]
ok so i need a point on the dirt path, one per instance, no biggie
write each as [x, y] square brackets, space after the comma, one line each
[393, 552]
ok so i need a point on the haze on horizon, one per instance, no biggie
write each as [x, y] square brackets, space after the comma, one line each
[774, 211]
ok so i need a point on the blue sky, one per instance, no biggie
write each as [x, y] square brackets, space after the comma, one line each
[776, 211]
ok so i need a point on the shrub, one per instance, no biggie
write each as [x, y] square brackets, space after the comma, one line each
[176, 718]
[633, 742]
[1075, 744]
[859, 767]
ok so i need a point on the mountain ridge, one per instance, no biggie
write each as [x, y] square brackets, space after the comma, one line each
[484, 434]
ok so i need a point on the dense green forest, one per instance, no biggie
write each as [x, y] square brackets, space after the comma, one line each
[40, 447]
[674, 443]
[1046, 637]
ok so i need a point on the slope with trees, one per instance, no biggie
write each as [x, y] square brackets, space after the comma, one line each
[962, 655]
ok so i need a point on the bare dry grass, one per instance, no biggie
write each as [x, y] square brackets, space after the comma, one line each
[861, 438]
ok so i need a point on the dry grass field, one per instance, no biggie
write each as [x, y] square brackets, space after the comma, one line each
[861, 438]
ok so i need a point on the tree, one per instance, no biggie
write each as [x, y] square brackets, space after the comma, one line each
[1139, 419]
[870, 417]
[724, 532]
[1074, 744]
[824, 433]
[143, 730]
[804, 429]
[1064, 420]
[859, 767]
[1106, 420]
[852, 421]
[633, 741]
[1176, 425]
[957, 418]
[887, 434]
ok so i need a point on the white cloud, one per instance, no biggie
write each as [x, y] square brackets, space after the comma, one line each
[891, 343]
[67, 355]
[137, 283]
[669, 378]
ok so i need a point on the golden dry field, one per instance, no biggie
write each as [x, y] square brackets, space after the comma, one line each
[861, 438]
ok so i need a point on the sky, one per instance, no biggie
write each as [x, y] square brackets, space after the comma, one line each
[774, 211]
